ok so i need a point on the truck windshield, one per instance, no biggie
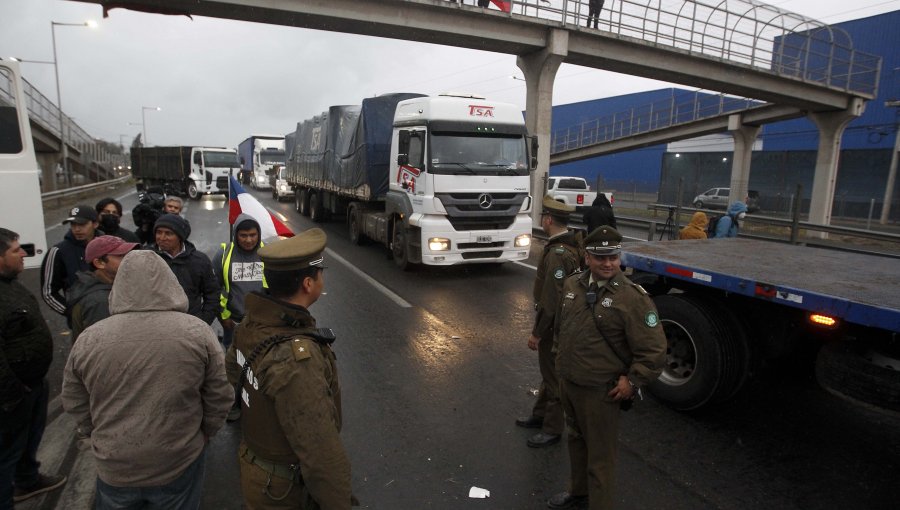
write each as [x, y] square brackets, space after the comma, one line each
[220, 159]
[477, 154]
[267, 157]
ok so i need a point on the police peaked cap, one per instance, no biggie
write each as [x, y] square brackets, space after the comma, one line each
[295, 253]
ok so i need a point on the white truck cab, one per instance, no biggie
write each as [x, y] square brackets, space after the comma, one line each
[210, 169]
[461, 180]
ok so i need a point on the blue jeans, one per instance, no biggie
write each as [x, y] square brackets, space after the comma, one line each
[183, 493]
[21, 431]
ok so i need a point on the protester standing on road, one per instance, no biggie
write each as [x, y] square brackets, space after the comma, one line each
[291, 455]
[559, 259]
[696, 229]
[89, 296]
[239, 271]
[609, 345]
[600, 213]
[191, 266]
[26, 350]
[729, 225]
[110, 211]
[65, 259]
[148, 386]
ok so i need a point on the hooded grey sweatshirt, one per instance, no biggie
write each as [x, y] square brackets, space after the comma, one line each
[148, 383]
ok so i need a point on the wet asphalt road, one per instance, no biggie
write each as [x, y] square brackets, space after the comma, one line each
[434, 376]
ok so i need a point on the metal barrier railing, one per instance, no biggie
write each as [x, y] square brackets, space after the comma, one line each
[681, 108]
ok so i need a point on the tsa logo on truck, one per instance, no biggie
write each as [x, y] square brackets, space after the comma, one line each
[480, 111]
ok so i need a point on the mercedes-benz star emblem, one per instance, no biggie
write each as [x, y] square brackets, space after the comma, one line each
[485, 201]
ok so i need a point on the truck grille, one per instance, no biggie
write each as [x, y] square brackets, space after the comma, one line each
[481, 211]
[222, 183]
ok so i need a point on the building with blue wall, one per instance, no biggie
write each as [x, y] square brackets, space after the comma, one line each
[787, 151]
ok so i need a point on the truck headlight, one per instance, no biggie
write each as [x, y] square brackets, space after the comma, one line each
[438, 244]
[523, 240]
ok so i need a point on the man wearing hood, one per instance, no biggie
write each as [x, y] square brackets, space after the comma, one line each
[89, 296]
[729, 225]
[696, 229]
[192, 267]
[239, 271]
[148, 402]
[65, 259]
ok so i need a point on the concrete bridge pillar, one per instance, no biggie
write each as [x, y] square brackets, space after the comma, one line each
[831, 128]
[744, 138]
[540, 69]
[47, 162]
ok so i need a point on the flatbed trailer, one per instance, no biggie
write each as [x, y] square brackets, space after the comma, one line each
[727, 304]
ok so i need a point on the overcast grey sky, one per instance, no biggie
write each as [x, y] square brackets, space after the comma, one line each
[218, 81]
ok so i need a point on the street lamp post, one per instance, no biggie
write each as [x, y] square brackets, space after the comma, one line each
[144, 121]
[62, 130]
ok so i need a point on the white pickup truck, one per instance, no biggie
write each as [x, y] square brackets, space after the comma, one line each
[573, 191]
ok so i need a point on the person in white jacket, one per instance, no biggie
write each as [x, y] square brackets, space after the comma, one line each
[148, 386]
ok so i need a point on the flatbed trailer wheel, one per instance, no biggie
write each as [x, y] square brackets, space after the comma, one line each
[316, 208]
[693, 370]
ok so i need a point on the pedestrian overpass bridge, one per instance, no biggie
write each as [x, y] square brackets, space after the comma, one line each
[737, 47]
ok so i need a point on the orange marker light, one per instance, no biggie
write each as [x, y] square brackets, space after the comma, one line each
[823, 320]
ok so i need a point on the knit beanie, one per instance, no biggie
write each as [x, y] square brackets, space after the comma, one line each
[176, 224]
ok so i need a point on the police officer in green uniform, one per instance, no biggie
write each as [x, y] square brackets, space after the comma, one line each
[291, 455]
[558, 260]
[609, 345]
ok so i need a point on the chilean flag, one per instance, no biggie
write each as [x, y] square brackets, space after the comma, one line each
[502, 5]
[239, 201]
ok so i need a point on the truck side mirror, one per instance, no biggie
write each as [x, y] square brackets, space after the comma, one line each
[402, 159]
[534, 152]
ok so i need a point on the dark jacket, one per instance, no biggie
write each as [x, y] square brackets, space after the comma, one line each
[88, 302]
[559, 259]
[125, 235]
[58, 270]
[26, 346]
[600, 213]
[194, 272]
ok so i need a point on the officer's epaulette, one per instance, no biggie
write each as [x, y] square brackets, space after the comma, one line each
[640, 289]
[300, 348]
[321, 336]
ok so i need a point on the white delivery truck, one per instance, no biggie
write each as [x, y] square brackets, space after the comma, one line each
[438, 180]
[21, 209]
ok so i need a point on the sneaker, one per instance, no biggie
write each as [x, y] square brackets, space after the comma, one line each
[45, 483]
[234, 414]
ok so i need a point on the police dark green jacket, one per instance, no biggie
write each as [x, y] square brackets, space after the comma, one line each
[26, 346]
[627, 317]
[558, 260]
[292, 408]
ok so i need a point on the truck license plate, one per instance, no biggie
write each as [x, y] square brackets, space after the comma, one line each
[483, 239]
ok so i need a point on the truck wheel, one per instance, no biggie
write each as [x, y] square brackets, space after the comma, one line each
[735, 349]
[354, 223]
[859, 374]
[693, 368]
[400, 246]
[316, 211]
[303, 202]
[192, 191]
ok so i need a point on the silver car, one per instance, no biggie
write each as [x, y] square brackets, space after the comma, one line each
[713, 198]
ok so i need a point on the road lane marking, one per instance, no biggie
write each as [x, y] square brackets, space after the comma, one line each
[533, 268]
[373, 282]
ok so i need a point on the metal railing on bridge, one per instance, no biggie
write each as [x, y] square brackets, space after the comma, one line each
[682, 107]
[45, 113]
[745, 32]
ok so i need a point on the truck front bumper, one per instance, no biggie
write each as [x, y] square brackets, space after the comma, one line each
[473, 246]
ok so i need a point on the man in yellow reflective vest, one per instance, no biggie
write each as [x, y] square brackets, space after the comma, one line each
[239, 271]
